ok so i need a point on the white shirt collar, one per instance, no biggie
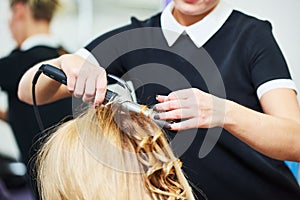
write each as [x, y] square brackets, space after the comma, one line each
[199, 32]
[37, 40]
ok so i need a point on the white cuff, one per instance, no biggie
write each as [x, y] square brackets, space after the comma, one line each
[84, 53]
[275, 84]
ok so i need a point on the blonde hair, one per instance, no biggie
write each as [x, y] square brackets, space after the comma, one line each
[107, 153]
[41, 9]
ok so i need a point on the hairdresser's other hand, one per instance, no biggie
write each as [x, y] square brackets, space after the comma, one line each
[84, 80]
[196, 108]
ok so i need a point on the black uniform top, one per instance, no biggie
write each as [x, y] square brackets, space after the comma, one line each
[21, 115]
[241, 56]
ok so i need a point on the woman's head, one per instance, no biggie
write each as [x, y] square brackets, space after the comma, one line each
[41, 9]
[109, 154]
[192, 10]
[29, 17]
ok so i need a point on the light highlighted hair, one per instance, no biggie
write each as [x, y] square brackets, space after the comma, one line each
[107, 153]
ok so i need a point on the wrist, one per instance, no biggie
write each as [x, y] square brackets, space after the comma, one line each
[230, 113]
[222, 108]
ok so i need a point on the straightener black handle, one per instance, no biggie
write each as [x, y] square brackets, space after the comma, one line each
[54, 73]
[58, 75]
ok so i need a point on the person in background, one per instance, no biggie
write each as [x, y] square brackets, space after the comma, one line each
[30, 28]
[215, 48]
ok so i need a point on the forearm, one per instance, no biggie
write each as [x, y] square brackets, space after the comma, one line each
[84, 80]
[47, 90]
[275, 137]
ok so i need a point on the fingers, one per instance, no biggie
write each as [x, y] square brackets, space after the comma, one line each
[92, 86]
[170, 105]
[174, 100]
[80, 83]
[184, 125]
[85, 80]
[180, 94]
[89, 90]
[176, 114]
[191, 106]
[71, 84]
[100, 89]
[161, 98]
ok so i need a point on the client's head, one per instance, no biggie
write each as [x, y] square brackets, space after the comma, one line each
[107, 153]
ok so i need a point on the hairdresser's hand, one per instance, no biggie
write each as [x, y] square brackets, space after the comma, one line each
[196, 108]
[84, 79]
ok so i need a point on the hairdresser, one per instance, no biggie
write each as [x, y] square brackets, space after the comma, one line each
[30, 27]
[259, 116]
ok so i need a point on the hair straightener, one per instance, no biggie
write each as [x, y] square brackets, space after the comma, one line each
[59, 75]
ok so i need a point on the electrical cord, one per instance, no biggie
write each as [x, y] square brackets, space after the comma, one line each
[35, 107]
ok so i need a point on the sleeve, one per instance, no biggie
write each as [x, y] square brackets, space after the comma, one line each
[268, 67]
[86, 54]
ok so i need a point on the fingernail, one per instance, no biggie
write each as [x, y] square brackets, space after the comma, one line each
[156, 116]
[168, 126]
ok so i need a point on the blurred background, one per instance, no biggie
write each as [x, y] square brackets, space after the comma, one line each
[79, 21]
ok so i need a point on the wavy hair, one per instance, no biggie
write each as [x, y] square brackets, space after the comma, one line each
[107, 153]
